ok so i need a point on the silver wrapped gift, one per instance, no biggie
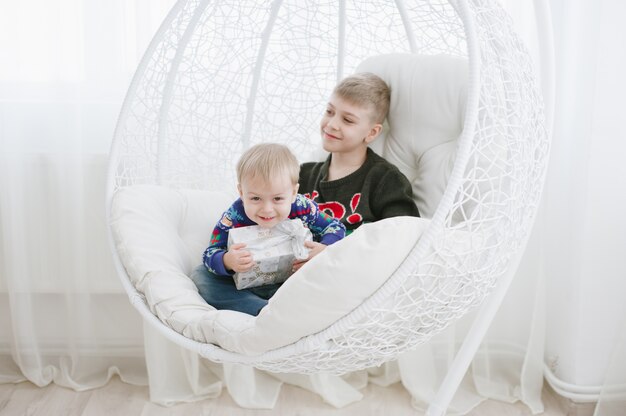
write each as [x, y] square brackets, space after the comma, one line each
[273, 250]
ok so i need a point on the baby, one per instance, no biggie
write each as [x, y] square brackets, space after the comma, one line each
[267, 176]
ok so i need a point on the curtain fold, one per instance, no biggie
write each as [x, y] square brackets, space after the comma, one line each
[64, 69]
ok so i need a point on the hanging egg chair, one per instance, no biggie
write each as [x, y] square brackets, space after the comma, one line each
[466, 126]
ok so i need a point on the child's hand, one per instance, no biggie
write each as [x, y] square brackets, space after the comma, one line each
[314, 250]
[237, 259]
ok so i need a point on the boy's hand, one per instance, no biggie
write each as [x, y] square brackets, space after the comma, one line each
[315, 249]
[238, 259]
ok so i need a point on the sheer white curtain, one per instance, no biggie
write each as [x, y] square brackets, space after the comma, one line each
[64, 69]
[580, 233]
[585, 262]
[581, 225]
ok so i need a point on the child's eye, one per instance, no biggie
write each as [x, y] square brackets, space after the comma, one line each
[347, 120]
[329, 112]
[255, 198]
[278, 198]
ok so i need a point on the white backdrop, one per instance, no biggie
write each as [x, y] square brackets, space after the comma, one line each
[64, 69]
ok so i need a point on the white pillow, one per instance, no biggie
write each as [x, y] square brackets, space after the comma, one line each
[158, 228]
[160, 235]
[329, 286]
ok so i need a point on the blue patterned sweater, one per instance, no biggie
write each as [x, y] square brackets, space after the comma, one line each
[325, 229]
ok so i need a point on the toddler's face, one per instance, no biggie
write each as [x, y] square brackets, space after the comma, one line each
[267, 204]
[346, 126]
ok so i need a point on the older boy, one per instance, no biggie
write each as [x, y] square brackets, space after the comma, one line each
[354, 184]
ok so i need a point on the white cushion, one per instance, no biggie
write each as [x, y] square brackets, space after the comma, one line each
[330, 285]
[427, 109]
[160, 235]
[161, 226]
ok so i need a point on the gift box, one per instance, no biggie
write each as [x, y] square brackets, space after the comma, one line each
[273, 250]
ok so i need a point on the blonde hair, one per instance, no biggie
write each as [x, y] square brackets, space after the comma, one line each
[365, 89]
[266, 161]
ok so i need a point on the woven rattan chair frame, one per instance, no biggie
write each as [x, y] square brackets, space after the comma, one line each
[182, 84]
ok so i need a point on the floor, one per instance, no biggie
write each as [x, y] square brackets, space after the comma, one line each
[118, 398]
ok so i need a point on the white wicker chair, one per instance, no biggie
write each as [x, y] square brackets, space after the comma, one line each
[219, 76]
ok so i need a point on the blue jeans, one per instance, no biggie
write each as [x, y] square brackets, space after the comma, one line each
[221, 292]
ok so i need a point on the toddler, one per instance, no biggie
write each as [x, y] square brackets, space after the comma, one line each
[267, 176]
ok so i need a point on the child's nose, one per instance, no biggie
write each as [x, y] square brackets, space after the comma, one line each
[332, 123]
[267, 206]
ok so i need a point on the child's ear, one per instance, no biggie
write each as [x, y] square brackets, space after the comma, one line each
[374, 132]
[295, 191]
[239, 190]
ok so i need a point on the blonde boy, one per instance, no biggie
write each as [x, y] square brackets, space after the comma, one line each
[267, 176]
[354, 184]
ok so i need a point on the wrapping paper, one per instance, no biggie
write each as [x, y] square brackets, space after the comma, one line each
[273, 249]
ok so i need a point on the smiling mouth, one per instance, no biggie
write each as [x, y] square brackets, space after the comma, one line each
[330, 136]
[266, 218]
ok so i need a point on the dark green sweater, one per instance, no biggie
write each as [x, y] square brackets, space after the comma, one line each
[375, 191]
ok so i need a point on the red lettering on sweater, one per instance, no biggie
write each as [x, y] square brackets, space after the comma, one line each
[355, 217]
[312, 196]
[337, 209]
[334, 208]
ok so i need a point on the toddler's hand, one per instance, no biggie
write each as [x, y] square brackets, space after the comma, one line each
[238, 259]
[314, 250]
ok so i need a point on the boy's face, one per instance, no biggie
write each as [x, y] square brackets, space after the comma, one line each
[347, 127]
[267, 204]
